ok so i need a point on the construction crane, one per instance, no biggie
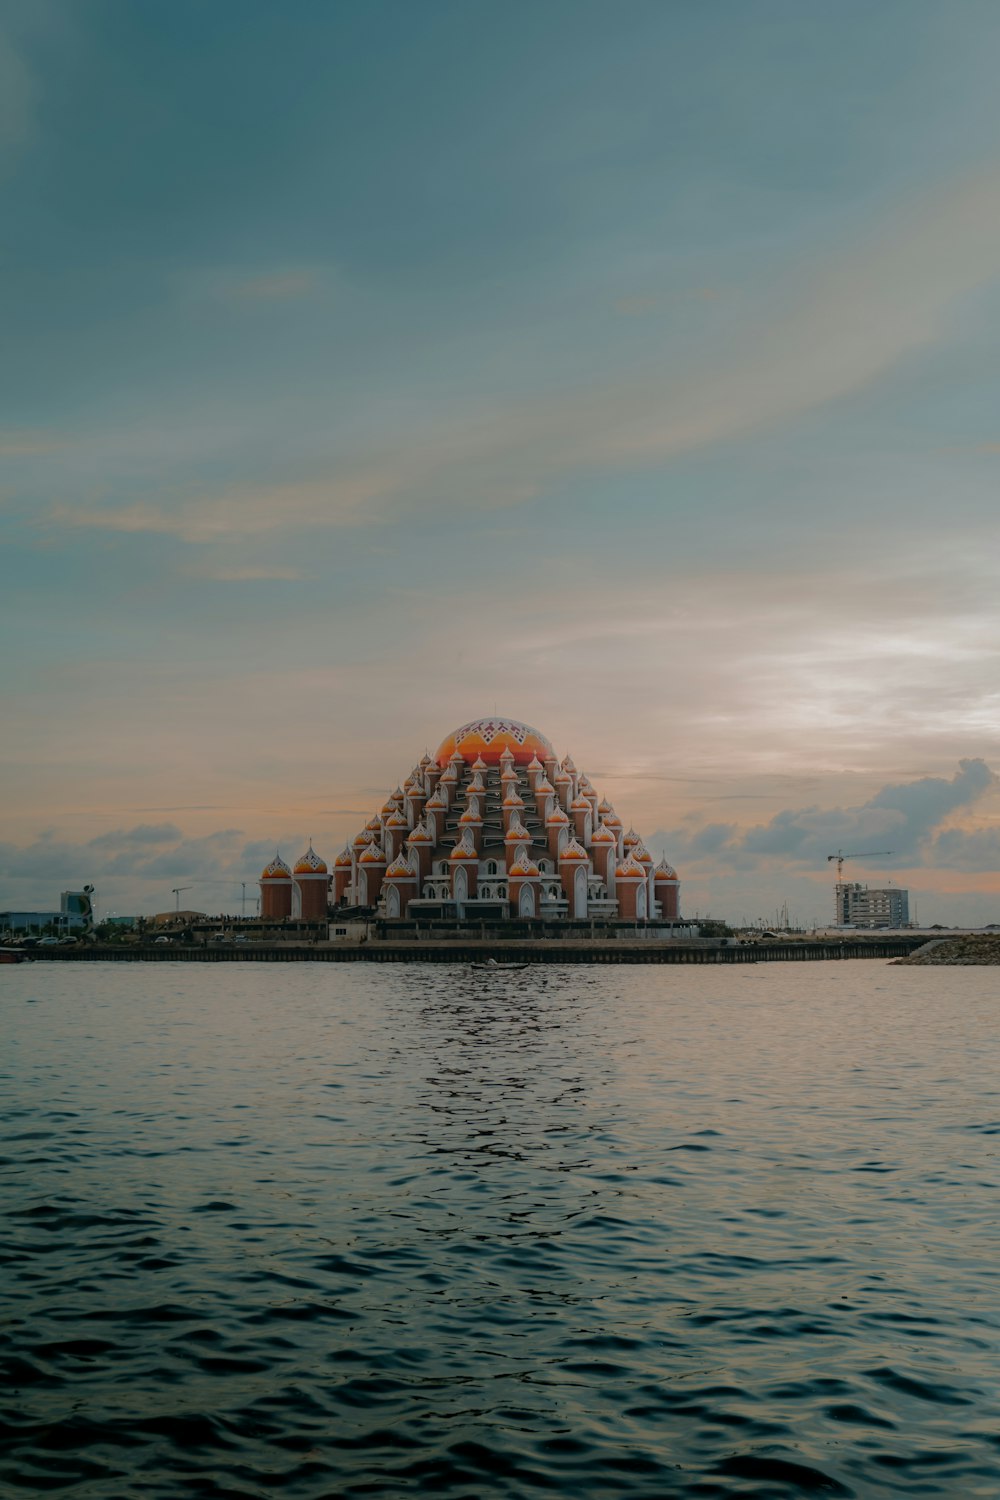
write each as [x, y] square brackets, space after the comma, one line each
[176, 891]
[840, 857]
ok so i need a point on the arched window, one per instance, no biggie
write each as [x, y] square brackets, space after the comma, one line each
[491, 867]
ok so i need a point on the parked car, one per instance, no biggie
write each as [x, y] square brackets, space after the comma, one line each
[48, 942]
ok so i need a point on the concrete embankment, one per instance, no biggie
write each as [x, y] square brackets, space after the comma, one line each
[469, 951]
[966, 948]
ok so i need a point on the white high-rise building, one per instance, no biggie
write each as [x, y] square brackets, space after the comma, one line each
[860, 906]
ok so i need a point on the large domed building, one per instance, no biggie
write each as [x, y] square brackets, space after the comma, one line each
[494, 825]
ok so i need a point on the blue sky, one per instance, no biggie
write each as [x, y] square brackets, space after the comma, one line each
[368, 365]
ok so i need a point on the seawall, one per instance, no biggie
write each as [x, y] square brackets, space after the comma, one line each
[470, 951]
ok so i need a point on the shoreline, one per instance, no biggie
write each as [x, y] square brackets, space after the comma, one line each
[467, 951]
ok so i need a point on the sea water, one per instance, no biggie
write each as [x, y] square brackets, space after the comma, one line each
[350, 1230]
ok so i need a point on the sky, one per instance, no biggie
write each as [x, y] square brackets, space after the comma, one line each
[628, 370]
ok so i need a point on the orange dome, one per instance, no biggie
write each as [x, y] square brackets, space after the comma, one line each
[343, 860]
[463, 849]
[573, 850]
[311, 864]
[664, 871]
[487, 739]
[372, 856]
[276, 870]
[399, 870]
[517, 831]
[603, 835]
[523, 864]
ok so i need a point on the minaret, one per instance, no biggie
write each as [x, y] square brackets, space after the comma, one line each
[313, 880]
[276, 891]
[668, 891]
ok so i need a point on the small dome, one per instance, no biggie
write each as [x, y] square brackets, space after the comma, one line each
[562, 778]
[374, 824]
[464, 849]
[343, 860]
[523, 864]
[472, 814]
[573, 850]
[364, 837]
[437, 803]
[517, 833]
[556, 818]
[479, 764]
[642, 854]
[276, 870]
[630, 869]
[664, 871]
[396, 820]
[421, 835]
[545, 788]
[311, 864]
[399, 870]
[580, 804]
[603, 835]
[512, 798]
[373, 855]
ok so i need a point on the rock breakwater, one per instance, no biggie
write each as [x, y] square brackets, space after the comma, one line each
[967, 948]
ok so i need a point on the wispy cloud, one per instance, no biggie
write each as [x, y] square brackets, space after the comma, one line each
[826, 334]
[289, 285]
[251, 573]
[29, 444]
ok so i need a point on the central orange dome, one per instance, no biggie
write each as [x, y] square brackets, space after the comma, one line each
[487, 739]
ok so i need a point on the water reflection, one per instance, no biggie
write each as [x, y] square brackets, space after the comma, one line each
[378, 1231]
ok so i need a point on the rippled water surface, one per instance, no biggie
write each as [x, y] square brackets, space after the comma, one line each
[346, 1230]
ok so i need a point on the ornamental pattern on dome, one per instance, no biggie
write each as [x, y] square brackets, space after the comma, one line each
[310, 863]
[487, 739]
[465, 848]
[276, 870]
[523, 863]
